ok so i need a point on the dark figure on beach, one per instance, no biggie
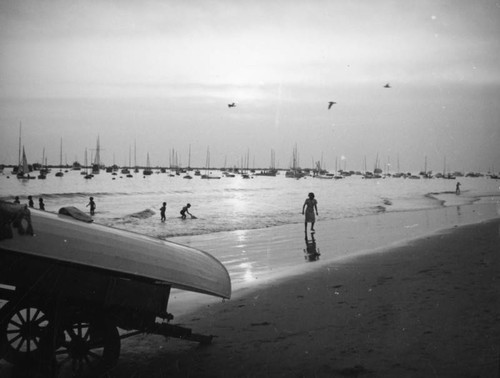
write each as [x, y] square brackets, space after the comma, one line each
[185, 210]
[41, 205]
[14, 216]
[92, 206]
[30, 202]
[310, 206]
[16, 200]
[162, 212]
[457, 190]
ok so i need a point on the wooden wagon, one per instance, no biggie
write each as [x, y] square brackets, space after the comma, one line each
[73, 290]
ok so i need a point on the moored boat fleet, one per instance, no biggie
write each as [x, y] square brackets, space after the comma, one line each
[25, 171]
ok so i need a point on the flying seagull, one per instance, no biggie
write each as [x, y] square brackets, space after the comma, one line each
[232, 105]
[330, 103]
[387, 85]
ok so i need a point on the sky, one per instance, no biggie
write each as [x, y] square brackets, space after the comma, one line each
[158, 75]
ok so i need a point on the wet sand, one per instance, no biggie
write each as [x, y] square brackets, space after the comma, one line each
[430, 308]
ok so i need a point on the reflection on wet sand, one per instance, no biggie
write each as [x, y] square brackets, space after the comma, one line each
[311, 251]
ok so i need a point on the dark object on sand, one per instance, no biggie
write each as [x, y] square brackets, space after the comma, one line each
[75, 213]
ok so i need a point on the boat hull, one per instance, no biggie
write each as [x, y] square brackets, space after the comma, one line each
[132, 255]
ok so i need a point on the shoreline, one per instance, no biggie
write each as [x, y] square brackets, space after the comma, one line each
[425, 308]
[424, 305]
[259, 257]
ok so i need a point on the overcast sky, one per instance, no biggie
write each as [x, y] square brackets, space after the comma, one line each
[161, 73]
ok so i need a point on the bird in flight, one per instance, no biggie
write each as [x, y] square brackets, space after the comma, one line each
[330, 104]
[387, 85]
[232, 105]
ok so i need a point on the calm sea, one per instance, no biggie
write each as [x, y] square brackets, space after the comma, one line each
[235, 203]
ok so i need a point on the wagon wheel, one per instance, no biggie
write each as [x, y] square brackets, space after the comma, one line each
[24, 327]
[88, 348]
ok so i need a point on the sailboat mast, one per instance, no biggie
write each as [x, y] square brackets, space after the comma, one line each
[19, 153]
[60, 156]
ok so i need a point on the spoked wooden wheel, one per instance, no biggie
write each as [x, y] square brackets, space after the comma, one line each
[24, 328]
[88, 348]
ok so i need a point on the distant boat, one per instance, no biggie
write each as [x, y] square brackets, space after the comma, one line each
[43, 171]
[294, 171]
[147, 171]
[60, 173]
[23, 171]
[127, 170]
[208, 175]
[187, 175]
[272, 171]
[96, 166]
[87, 175]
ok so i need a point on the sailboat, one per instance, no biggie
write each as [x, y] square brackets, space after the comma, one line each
[187, 175]
[126, 170]
[136, 170]
[207, 174]
[23, 171]
[87, 175]
[147, 171]
[322, 173]
[43, 171]
[294, 171]
[60, 173]
[96, 166]
[272, 171]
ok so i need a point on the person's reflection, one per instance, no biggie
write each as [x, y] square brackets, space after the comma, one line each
[311, 251]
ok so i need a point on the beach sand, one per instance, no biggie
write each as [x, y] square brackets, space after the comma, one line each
[430, 308]
[426, 308]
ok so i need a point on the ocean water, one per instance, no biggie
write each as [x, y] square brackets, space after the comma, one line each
[239, 219]
[234, 203]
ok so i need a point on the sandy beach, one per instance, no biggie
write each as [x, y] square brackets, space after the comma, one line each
[426, 309]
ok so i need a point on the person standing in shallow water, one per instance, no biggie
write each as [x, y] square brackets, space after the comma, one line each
[92, 206]
[310, 206]
[41, 204]
[30, 202]
[162, 212]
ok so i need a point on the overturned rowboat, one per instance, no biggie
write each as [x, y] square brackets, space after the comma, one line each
[70, 284]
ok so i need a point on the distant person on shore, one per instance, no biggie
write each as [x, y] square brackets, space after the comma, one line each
[457, 190]
[41, 205]
[185, 210]
[16, 200]
[310, 206]
[162, 212]
[92, 206]
[30, 202]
